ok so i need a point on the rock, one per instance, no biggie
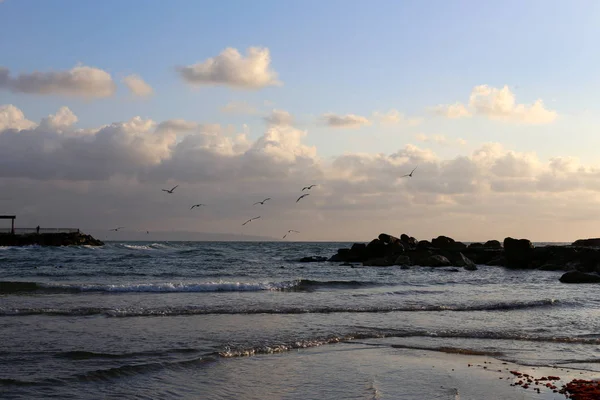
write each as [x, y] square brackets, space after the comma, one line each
[378, 262]
[388, 239]
[49, 239]
[424, 244]
[375, 249]
[405, 267]
[579, 277]
[312, 259]
[394, 249]
[498, 261]
[402, 260]
[408, 241]
[436, 261]
[446, 243]
[346, 264]
[465, 262]
[492, 244]
[475, 246]
[593, 242]
[518, 252]
[551, 267]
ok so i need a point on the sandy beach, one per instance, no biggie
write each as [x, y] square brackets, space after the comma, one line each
[368, 370]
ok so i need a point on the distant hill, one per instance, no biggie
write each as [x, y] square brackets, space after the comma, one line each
[176, 236]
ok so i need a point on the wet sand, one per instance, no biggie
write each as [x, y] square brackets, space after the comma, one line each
[364, 371]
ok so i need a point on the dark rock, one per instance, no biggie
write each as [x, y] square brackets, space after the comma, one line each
[436, 261]
[424, 244]
[405, 267]
[518, 252]
[579, 277]
[379, 262]
[394, 249]
[404, 238]
[465, 262]
[499, 261]
[551, 267]
[451, 269]
[492, 244]
[402, 260]
[375, 249]
[388, 239]
[49, 239]
[593, 242]
[446, 243]
[312, 259]
[475, 246]
[346, 264]
[336, 258]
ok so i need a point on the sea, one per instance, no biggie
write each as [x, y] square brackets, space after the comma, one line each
[248, 320]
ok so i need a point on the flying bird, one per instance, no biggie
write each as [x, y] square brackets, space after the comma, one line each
[308, 187]
[171, 190]
[411, 172]
[303, 196]
[197, 205]
[251, 219]
[117, 229]
[290, 231]
[261, 202]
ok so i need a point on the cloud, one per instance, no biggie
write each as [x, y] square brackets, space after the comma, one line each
[453, 111]
[137, 86]
[395, 117]
[491, 192]
[13, 118]
[345, 121]
[232, 69]
[498, 104]
[239, 107]
[279, 117]
[79, 81]
[439, 139]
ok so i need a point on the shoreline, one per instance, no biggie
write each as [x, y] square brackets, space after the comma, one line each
[363, 369]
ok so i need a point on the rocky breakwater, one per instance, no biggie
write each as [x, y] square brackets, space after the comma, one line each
[581, 259]
[387, 250]
[49, 239]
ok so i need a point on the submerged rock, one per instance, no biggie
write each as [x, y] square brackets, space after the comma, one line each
[579, 277]
[312, 259]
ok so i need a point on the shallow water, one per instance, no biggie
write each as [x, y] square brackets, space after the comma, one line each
[151, 319]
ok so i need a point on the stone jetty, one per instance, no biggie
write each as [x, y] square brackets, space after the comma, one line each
[49, 239]
[581, 258]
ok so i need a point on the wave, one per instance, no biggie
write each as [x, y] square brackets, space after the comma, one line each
[11, 287]
[189, 311]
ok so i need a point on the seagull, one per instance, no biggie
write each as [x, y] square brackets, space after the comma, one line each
[411, 172]
[308, 187]
[171, 190]
[117, 229]
[261, 202]
[197, 205]
[288, 232]
[251, 219]
[301, 197]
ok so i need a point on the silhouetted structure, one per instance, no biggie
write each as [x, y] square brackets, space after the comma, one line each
[12, 222]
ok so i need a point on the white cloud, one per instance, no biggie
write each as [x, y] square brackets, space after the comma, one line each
[345, 121]
[453, 111]
[13, 118]
[80, 81]
[490, 193]
[395, 117]
[137, 86]
[230, 68]
[279, 117]
[498, 104]
[239, 107]
[439, 139]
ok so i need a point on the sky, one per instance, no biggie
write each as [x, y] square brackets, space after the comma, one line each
[105, 103]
